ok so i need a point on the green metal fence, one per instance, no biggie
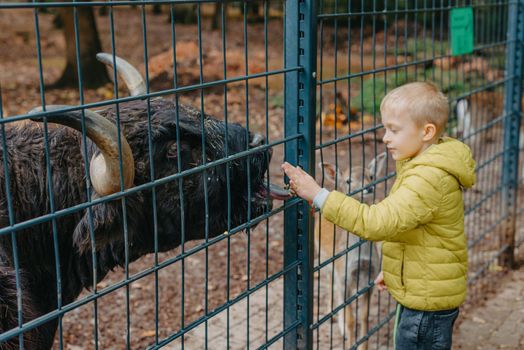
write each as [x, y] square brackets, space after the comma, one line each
[190, 253]
[366, 49]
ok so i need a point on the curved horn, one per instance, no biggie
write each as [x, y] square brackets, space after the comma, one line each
[132, 77]
[105, 167]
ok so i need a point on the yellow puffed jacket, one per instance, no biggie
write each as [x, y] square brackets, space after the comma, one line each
[421, 222]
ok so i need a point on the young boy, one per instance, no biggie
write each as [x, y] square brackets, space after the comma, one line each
[421, 221]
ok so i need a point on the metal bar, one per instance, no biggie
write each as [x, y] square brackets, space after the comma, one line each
[338, 255]
[374, 330]
[100, 3]
[349, 136]
[334, 311]
[180, 180]
[153, 2]
[513, 108]
[221, 308]
[335, 135]
[228, 175]
[486, 265]
[279, 336]
[485, 233]
[478, 204]
[152, 94]
[204, 175]
[11, 215]
[290, 215]
[414, 63]
[74, 305]
[320, 76]
[300, 49]
[268, 342]
[415, 10]
[248, 231]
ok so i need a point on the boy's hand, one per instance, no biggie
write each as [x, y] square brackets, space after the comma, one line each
[379, 282]
[301, 183]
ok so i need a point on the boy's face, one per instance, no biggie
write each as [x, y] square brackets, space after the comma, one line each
[403, 138]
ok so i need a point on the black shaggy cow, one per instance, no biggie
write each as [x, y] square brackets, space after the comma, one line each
[173, 148]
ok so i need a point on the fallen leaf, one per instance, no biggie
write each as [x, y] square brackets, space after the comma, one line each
[199, 308]
[148, 333]
[478, 320]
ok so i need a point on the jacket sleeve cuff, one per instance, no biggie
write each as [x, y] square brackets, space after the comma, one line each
[332, 206]
[320, 198]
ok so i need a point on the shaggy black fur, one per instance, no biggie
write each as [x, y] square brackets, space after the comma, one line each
[30, 199]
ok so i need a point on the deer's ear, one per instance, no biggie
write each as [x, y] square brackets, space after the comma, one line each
[462, 108]
[376, 165]
[330, 172]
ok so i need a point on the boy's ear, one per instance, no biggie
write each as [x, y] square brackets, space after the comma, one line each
[430, 131]
[329, 171]
[376, 165]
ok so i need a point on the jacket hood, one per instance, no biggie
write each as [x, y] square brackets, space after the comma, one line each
[450, 155]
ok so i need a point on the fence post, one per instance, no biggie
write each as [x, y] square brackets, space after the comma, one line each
[512, 112]
[300, 50]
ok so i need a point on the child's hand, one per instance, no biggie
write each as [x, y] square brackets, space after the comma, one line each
[301, 182]
[379, 282]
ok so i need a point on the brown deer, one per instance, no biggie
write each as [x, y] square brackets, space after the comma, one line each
[361, 264]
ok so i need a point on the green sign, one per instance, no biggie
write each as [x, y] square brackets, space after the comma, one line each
[461, 25]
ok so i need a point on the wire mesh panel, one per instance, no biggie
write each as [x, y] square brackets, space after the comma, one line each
[365, 49]
[137, 209]
[514, 237]
[137, 203]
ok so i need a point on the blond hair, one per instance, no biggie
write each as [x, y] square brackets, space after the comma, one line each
[422, 101]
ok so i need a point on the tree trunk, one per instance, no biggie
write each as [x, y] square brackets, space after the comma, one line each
[157, 9]
[253, 13]
[216, 19]
[185, 13]
[94, 73]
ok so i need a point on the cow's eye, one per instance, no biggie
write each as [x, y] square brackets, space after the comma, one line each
[172, 151]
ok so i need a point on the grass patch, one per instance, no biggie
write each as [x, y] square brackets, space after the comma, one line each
[276, 100]
[417, 47]
[453, 83]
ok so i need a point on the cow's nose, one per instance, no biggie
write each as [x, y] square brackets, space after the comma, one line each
[257, 140]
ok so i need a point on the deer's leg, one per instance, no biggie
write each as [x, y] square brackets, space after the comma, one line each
[339, 300]
[363, 326]
[346, 319]
[350, 324]
[346, 324]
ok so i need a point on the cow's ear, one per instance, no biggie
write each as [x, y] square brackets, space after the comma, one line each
[106, 223]
[189, 122]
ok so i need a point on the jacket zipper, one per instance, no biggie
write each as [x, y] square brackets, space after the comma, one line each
[402, 268]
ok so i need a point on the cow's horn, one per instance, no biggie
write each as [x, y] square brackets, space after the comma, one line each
[132, 77]
[105, 167]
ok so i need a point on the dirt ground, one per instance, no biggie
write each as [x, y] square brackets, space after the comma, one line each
[164, 302]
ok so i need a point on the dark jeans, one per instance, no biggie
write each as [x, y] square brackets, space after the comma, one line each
[424, 330]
